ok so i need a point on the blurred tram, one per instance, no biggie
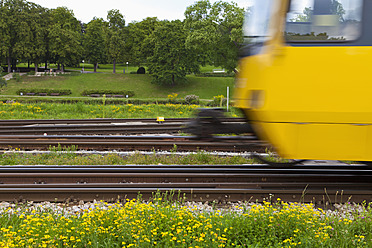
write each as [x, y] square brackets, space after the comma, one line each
[305, 80]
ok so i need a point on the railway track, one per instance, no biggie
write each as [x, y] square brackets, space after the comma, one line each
[132, 143]
[219, 183]
[108, 134]
[97, 126]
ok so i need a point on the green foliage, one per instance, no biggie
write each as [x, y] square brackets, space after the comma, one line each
[29, 32]
[81, 110]
[172, 97]
[3, 82]
[62, 92]
[215, 31]
[17, 77]
[138, 44]
[115, 36]
[15, 29]
[218, 101]
[59, 156]
[94, 42]
[65, 37]
[171, 59]
[128, 93]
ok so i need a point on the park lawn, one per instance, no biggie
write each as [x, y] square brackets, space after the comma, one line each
[204, 87]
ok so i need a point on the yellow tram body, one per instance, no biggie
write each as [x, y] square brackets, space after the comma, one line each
[311, 99]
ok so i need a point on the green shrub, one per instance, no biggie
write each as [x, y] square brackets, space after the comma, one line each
[128, 93]
[2, 82]
[218, 101]
[17, 77]
[192, 99]
[62, 92]
[108, 101]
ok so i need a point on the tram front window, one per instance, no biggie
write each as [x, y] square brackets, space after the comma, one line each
[324, 20]
[256, 26]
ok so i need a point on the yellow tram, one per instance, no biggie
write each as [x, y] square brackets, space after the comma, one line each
[305, 80]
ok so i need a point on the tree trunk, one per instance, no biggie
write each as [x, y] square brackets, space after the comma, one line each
[59, 67]
[9, 65]
[14, 64]
[46, 64]
[114, 66]
[173, 81]
[36, 67]
[63, 68]
[95, 67]
[28, 64]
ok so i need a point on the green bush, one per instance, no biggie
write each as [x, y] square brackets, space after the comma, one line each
[218, 101]
[61, 92]
[128, 93]
[108, 101]
[2, 82]
[192, 99]
[17, 77]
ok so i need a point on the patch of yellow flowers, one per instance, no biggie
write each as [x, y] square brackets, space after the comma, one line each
[158, 224]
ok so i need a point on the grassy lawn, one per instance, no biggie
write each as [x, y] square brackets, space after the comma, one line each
[204, 87]
[81, 110]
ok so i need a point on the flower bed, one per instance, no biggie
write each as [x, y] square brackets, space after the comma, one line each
[162, 222]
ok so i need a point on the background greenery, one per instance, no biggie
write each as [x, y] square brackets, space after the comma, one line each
[210, 34]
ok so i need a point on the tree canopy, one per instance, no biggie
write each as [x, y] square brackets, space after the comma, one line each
[171, 59]
[215, 31]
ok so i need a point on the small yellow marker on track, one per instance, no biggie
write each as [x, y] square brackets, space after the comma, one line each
[160, 119]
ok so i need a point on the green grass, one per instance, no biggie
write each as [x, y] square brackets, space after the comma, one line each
[203, 87]
[85, 111]
[55, 157]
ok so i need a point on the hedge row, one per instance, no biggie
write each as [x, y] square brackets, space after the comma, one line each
[48, 92]
[128, 93]
[114, 101]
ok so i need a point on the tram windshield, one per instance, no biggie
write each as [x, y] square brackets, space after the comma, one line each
[256, 25]
[324, 20]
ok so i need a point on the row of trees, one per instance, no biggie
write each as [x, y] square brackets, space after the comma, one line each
[210, 34]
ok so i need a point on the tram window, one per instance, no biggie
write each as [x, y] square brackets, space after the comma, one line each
[324, 20]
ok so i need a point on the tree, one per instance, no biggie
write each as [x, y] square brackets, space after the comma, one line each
[94, 42]
[39, 20]
[137, 46]
[65, 37]
[335, 8]
[305, 17]
[15, 32]
[114, 36]
[215, 31]
[171, 59]
[4, 33]
[2, 80]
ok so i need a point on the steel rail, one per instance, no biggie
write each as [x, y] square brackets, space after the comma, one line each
[100, 121]
[98, 126]
[132, 143]
[219, 183]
